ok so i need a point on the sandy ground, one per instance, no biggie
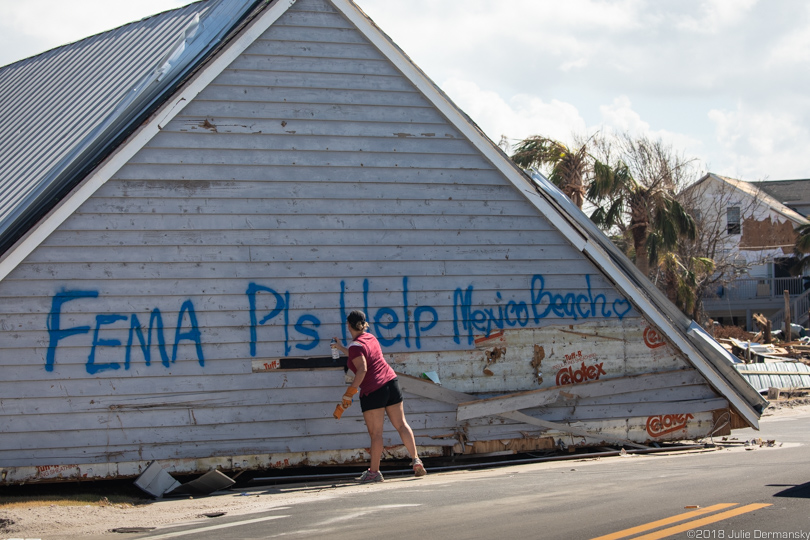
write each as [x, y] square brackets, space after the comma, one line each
[60, 522]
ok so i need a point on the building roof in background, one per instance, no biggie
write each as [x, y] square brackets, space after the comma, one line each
[753, 190]
[788, 192]
[64, 110]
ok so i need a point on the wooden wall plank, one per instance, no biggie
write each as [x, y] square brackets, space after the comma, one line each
[304, 49]
[266, 142]
[232, 181]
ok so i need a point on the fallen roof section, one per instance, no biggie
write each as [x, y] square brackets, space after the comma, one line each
[711, 361]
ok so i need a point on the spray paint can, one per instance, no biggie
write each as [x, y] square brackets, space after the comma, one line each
[335, 351]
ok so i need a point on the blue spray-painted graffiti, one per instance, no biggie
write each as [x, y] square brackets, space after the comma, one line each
[385, 319]
[543, 303]
[56, 333]
[403, 325]
[467, 321]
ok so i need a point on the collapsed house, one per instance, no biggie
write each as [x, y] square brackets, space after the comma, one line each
[193, 203]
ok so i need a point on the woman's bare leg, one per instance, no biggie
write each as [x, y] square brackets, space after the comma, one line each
[396, 413]
[374, 424]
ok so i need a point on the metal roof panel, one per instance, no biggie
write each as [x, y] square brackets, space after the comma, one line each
[775, 375]
[53, 101]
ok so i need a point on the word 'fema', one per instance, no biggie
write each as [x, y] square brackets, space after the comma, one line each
[57, 333]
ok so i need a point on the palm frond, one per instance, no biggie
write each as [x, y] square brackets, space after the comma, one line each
[537, 151]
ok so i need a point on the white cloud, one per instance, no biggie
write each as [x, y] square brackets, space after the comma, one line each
[762, 143]
[716, 16]
[568, 66]
[523, 115]
[794, 46]
[620, 117]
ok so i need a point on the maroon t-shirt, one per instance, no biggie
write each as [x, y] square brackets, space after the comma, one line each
[378, 372]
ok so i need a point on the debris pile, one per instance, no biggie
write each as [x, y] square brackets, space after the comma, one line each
[773, 362]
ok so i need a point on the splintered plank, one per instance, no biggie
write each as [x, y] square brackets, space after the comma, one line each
[538, 398]
[430, 390]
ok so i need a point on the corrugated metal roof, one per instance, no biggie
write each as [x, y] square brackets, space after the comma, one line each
[53, 100]
[775, 375]
[63, 110]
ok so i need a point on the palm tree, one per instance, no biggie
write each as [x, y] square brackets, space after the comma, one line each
[569, 167]
[681, 282]
[645, 211]
[649, 214]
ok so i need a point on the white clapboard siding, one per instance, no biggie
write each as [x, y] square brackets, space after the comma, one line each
[312, 169]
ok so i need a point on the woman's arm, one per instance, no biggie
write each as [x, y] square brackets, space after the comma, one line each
[360, 366]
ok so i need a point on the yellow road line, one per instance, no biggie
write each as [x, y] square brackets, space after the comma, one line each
[700, 522]
[667, 521]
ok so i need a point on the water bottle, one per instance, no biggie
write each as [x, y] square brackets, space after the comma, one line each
[335, 351]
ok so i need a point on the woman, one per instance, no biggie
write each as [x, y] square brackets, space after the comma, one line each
[380, 394]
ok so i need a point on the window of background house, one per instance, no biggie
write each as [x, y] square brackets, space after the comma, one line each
[733, 220]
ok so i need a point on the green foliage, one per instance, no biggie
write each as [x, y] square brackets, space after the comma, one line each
[682, 280]
[631, 183]
[568, 167]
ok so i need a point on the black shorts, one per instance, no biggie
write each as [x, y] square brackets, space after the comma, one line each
[389, 394]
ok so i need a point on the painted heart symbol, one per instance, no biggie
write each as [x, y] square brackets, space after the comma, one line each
[621, 307]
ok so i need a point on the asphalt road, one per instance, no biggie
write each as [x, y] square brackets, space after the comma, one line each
[742, 493]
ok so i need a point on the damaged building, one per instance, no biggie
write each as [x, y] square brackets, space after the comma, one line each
[755, 233]
[183, 233]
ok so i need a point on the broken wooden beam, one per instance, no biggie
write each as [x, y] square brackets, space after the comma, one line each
[537, 398]
[430, 390]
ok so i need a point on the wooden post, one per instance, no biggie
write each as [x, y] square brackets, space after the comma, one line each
[764, 326]
[787, 316]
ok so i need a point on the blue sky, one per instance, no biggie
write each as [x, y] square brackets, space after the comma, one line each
[724, 81]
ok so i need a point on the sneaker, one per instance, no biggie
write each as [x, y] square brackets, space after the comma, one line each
[418, 468]
[369, 477]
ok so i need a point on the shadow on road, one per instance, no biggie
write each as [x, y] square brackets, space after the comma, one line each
[799, 492]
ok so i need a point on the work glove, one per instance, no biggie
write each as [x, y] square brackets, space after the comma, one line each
[348, 396]
[345, 403]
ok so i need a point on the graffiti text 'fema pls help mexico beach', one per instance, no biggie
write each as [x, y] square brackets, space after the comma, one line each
[268, 308]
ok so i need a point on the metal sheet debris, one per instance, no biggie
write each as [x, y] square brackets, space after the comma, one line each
[785, 375]
[156, 481]
[207, 484]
